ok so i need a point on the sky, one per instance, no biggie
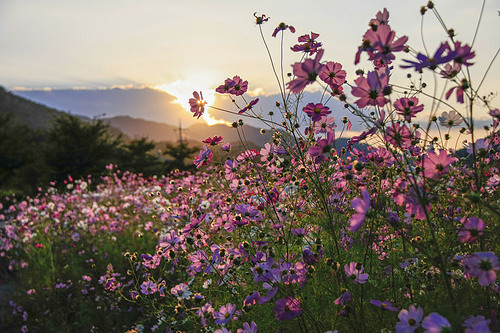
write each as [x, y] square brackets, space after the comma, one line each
[182, 46]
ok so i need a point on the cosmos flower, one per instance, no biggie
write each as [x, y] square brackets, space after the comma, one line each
[482, 265]
[332, 74]
[282, 27]
[361, 206]
[225, 314]
[409, 320]
[371, 89]
[450, 119]
[305, 73]
[197, 104]
[316, 111]
[408, 107]
[384, 305]
[435, 323]
[355, 272]
[471, 229]
[435, 165]
[287, 308]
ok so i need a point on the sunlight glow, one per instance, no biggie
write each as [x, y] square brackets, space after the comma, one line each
[182, 90]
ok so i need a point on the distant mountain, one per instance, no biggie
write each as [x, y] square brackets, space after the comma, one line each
[27, 112]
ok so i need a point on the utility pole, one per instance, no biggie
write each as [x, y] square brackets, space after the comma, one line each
[180, 130]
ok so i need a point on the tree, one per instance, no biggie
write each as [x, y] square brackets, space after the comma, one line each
[179, 153]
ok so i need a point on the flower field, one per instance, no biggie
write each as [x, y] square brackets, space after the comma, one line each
[400, 233]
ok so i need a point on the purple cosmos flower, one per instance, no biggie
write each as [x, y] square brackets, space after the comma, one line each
[203, 158]
[442, 56]
[287, 308]
[249, 106]
[383, 44]
[355, 272]
[269, 295]
[323, 146]
[226, 87]
[324, 125]
[225, 314]
[148, 287]
[409, 320]
[476, 324]
[282, 27]
[371, 89]
[435, 323]
[226, 147]
[343, 299]
[361, 206]
[181, 291]
[471, 229]
[248, 328]
[384, 305]
[197, 104]
[252, 299]
[305, 73]
[483, 265]
[316, 111]
[407, 107]
[398, 135]
[459, 89]
[381, 18]
[463, 54]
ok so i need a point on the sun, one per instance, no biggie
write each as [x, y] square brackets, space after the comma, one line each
[182, 90]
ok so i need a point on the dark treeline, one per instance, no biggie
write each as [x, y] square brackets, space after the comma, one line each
[32, 158]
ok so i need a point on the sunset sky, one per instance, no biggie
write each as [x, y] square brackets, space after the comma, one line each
[181, 46]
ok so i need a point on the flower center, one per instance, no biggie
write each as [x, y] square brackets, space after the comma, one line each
[485, 265]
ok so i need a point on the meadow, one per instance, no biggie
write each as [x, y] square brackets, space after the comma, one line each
[399, 234]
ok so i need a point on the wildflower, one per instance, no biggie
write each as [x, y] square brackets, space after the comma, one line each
[287, 308]
[370, 89]
[181, 291]
[483, 265]
[310, 45]
[332, 74]
[409, 319]
[382, 18]
[344, 298]
[322, 146]
[282, 27]
[471, 229]
[361, 206]
[226, 87]
[383, 44]
[248, 328]
[148, 287]
[495, 113]
[450, 119]
[384, 305]
[203, 158]
[476, 324]
[231, 170]
[226, 147]
[435, 323]
[355, 272]
[407, 107]
[463, 54]
[252, 299]
[398, 135]
[435, 165]
[324, 125]
[197, 104]
[305, 73]
[260, 19]
[249, 106]
[213, 141]
[481, 145]
[460, 89]
[225, 314]
[239, 86]
[441, 56]
[316, 111]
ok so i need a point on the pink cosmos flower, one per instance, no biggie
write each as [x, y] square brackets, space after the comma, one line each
[460, 89]
[197, 104]
[332, 74]
[324, 125]
[355, 272]
[383, 44]
[231, 170]
[361, 206]
[213, 141]
[370, 89]
[310, 45]
[239, 87]
[316, 111]
[287, 308]
[148, 287]
[435, 165]
[248, 328]
[323, 146]
[409, 320]
[305, 73]
[398, 135]
[225, 314]
[483, 265]
[471, 229]
[407, 107]
[463, 54]
[435, 323]
[380, 19]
